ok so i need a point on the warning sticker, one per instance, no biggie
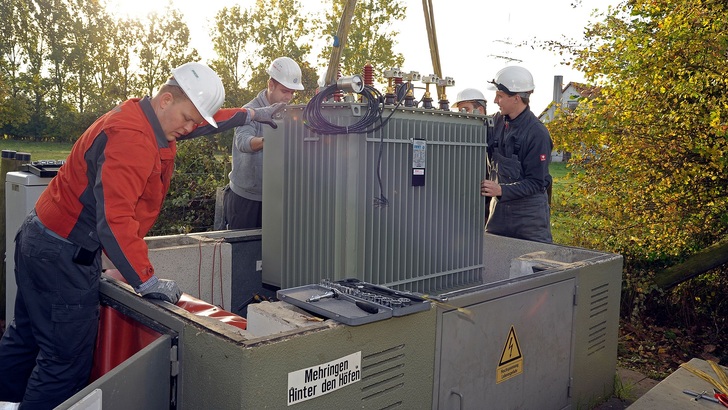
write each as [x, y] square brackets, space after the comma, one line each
[511, 360]
[318, 380]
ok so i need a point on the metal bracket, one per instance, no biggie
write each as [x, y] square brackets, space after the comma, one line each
[174, 372]
[174, 361]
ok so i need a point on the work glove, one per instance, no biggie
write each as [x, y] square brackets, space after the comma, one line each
[265, 114]
[162, 289]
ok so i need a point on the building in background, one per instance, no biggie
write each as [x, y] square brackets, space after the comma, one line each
[566, 97]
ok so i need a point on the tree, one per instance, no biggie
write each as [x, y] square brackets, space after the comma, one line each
[234, 48]
[88, 38]
[190, 206]
[164, 46]
[54, 18]
[14, 106]
[279, 30]
[651, 146]
[246, 41]
[33, 33]
[125, 36]
[371, 36]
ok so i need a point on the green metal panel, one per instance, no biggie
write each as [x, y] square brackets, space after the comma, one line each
[397, 365]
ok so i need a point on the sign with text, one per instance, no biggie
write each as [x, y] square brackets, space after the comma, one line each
[511, 361]
[318, 380]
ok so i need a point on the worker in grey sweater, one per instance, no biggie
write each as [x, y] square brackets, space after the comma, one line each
[243, 197]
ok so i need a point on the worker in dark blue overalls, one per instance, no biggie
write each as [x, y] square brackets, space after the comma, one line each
[519, 154]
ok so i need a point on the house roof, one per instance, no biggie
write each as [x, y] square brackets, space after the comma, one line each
[584, 90]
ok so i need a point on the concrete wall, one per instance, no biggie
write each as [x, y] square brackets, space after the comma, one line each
[201, 266]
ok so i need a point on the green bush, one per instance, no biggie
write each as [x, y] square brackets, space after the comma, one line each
[190, 203]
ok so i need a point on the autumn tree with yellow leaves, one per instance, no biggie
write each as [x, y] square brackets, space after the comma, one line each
[650, 147]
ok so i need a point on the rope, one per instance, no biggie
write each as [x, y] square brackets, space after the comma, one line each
[216, 258]
[199, 271]
[218, 247]
[721, 385]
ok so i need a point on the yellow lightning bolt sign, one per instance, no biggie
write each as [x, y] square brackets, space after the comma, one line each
[511, 360]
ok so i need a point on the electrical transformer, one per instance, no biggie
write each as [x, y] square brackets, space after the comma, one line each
[399, 206]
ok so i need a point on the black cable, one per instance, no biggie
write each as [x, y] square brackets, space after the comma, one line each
[316, 122]
[314, 119]
[382, 200]
[402, 89]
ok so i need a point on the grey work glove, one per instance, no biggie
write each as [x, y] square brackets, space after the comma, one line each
[265, 114]
[162, 289]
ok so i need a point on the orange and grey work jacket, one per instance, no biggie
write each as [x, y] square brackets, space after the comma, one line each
[110, 190]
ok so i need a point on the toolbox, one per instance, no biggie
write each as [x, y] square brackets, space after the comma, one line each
[353, 302]
[44, 168]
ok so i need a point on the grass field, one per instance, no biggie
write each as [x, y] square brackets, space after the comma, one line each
[565, 219]
[38, 150]
[558, 171]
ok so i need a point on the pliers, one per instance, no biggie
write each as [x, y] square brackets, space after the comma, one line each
[722, 397]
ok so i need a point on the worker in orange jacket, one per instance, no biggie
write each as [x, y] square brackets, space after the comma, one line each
[106, 197]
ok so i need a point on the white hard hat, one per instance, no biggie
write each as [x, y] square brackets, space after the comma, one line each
[468, 94]
[513, 79]
[287, 72]
[203, 87]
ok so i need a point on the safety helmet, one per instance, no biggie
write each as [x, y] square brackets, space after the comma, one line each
[513, 79]
[203, 87]
[287, 72]
[468, 94]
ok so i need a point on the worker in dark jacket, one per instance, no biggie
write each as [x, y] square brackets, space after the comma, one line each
[106, 197]
[519, 154]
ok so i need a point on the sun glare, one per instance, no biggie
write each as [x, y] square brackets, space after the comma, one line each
[135, 8]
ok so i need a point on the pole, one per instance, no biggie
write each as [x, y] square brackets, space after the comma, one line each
[432, 40]
[340, 42]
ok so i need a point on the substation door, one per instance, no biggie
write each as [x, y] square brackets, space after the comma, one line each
[512, 352]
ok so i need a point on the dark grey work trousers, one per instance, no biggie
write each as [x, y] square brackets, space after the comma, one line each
[526, 218]
[241, 213]
[46, 352]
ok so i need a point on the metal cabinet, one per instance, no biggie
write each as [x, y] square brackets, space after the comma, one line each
[510, 352]
[22, 190]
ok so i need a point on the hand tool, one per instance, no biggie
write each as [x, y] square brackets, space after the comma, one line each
[368, 307]
[722, 397]
[697, 396]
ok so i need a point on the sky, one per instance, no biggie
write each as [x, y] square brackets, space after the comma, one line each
[475, 37]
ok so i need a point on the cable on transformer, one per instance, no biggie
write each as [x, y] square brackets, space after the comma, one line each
[314, 119]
